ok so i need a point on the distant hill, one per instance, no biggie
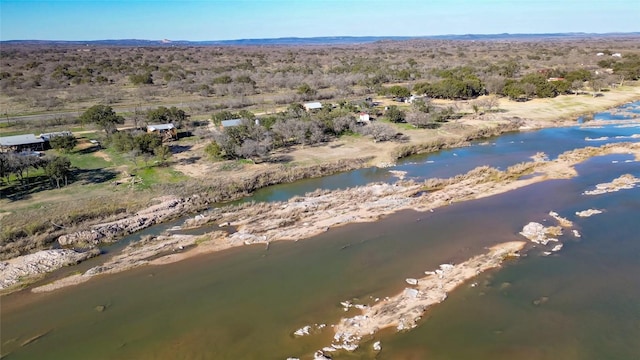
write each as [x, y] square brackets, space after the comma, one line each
[325, 40]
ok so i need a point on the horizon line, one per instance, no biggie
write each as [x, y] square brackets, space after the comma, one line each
[167, 40]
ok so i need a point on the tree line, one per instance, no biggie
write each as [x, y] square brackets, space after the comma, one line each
[464, 83]
[56, 168]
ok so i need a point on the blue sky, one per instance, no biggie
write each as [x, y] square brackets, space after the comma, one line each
[241, 19]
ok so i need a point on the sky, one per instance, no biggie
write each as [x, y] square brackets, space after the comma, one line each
[256, 19]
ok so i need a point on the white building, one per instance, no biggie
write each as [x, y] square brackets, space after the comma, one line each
[312, 106]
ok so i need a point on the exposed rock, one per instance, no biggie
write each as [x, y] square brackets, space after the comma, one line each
[411, 293]
[168, 207]
[308, 329]
[405, 309]
[446, 267]
[540, 157]
[346, 305]
[564, 222]
[263, 223]
[319, 355]
[302, 331]
[377, 346]
[589, 212]
[626, 181]
[398, 173]
[538, 233]
[29, 266]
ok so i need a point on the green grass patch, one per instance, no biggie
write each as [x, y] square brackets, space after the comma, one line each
[87, 161]
[153, 175]
[118, 159]
[405, 126]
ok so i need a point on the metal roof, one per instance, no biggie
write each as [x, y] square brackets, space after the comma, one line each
[48, 136]
[18, 140]
[160, 127]
[313, 106]
[231, 122]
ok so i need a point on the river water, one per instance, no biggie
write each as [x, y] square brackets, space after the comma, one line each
[580, 303]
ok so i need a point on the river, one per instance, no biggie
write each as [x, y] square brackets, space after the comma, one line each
[580, 303]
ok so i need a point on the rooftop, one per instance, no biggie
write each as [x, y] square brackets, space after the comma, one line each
[17, 140]
[160, 127]
[313, 106]
[231, 122]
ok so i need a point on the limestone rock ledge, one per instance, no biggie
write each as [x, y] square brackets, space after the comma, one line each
[33, 265]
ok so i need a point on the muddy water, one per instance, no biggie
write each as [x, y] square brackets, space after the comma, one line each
[247, 302]
[581, 303]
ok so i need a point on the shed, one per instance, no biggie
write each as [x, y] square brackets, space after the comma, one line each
[363, 117]
[19, 143]
[166, 131]
[312, 106]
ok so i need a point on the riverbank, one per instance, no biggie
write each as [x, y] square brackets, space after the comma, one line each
[304, 217]
[454, 134]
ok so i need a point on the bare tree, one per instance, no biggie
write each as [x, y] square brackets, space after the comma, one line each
[420, 119]
[494, 84]
[491, 102]
[378, 131]
[597, 83]
[343, 124]
[251, 148]
[576, 85]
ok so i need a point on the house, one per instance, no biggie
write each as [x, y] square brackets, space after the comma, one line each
[618, 55]
[600, 54]
[312, 106]
[230, 123]
[167, 132]
[363, 118]
[21, 143]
